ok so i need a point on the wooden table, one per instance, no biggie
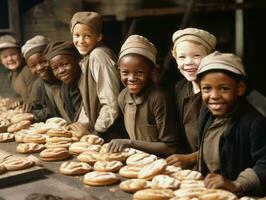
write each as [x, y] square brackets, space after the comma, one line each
[52, 182]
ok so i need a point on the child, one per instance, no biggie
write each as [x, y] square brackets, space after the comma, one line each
[232, 133]
[99, 80]
[33, 52]
[63, 59]
[190, 46]
[148, 117]
[20, 77]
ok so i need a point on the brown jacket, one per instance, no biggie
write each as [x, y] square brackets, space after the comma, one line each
[21, 81]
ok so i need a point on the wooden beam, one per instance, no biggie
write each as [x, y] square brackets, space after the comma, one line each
[197, 8]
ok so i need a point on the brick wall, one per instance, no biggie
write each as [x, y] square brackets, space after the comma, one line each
[50, 18]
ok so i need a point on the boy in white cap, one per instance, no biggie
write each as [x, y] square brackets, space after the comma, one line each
[232, 152]
[190, 46]
[20, 77]
[149, 120]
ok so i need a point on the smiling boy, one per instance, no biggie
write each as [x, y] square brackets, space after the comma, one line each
[20, 77]
[232, 133]
[148, 118]
[99, 80]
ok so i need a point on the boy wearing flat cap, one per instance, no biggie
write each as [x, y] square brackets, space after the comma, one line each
[149, 120]
[20, 77]
[232, 152]
[99, 81]
[190, 46]
[33, 52]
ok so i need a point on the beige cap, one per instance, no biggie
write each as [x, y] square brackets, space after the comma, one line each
[92, 19]
[225, 61]
[203, 37]
[61, 48]
[139, 45]
[34, 45]
[8, 41]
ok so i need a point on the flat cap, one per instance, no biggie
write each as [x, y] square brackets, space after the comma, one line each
[139, 45]
[92, 19]
[224, 61]
[203, 37]
[8, 41]
[34, 45]
[55, 48]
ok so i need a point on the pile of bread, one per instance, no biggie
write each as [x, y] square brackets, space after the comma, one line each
[145, 175]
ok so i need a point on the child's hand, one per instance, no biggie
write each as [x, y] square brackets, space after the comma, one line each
[78, 130]
[217, 181]
[26, 107]
[182, 160]
[15, 104]
[117, 145]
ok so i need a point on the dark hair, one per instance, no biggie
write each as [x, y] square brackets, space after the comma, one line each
[236, 77]
[146, 60]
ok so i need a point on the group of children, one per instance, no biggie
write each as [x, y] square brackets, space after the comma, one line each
[208, 125]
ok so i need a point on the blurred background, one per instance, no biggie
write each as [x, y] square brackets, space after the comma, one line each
[237, 24]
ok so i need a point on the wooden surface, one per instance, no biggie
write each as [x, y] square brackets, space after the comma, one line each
[52, 182]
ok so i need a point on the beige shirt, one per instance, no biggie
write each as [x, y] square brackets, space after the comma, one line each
[211, 155]
[100, 66]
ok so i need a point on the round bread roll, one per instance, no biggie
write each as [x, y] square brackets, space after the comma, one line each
[58, 139]
[153, 194]
[6, 137]
[164, 182]
[13, 164]
[189, 192]
[79, 147]
[92, 139]
[248, 198]
[2, 169]
[192, 184]
[19, 136]
[187, 174]
[18, 126]
[140, 159]
[217, 194]
[22, 117]
[39, 128]
[57, 120]
[74, 168]
[59, 132]
[171, 169]
[107, 166]
[62, 144]
[110, 157]
[54, 154]
[129, 171]
[133, 185]
[100, 178]
[152, 169]
[29, 147]
[34, 138]
[4, 123]
[88, 157]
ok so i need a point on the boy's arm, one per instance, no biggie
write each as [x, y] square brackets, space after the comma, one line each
[158, 148]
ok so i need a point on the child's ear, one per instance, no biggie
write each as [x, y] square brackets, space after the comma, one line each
[241, 88]
[100, 37]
